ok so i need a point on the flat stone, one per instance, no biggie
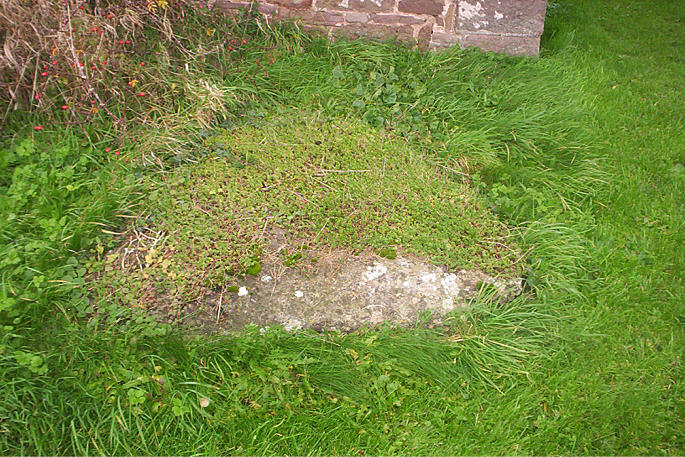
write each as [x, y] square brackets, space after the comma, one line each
[403, 33]
[441, 40]
[357, 17]
[318, 17]
[345, 292]
[366, 6]
[294, 4]
[397, 19]
[429, 7]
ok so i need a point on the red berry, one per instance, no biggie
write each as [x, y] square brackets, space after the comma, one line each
[38, 127]
[92, 102]
[80, 64]
[54, 62]
[199, 5]
[142, 64]
[121, 41]
[232, 41]
[37, 96]
[45, 73]
[110, 16]
[94, 29]
[141, 94]
[128, 42]
[104, 63]
[244, 41]
[230, 48]
[108, 149]
[93, 67]
[80, 7]
[117, 153]
[65, 107]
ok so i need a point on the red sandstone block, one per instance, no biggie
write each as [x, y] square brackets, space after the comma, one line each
[513, 45]
[509, 17]
[440, 40]
[227, 6]
[397, 19]
[364, 6]
[294, 4]
[430, 7]
[404, 33]
[270, 10]
[424, 35]
[361, 18]
[318, 17]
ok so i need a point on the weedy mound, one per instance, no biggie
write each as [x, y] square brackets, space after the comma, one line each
[290, 193]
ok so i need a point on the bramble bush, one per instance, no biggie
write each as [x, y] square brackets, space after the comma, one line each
[74, 62]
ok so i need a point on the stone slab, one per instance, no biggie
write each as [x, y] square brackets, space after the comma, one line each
[346, 292]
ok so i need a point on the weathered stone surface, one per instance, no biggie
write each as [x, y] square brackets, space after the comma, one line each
[441, 40]
[267, 9]
[353, 17]
[404, 33]
[449, 17]
[430, 7]
[347, 292]
[397, 19]
[318, 17]
[365, 6]
[520, 17]
[424, 35]
[513, 45]
[230, 7]
[294, 4]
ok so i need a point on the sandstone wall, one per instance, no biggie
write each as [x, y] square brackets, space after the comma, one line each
[506, 26]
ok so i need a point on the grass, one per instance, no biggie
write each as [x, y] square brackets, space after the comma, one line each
[581, 150]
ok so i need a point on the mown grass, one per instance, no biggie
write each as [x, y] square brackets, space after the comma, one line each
[581, 149]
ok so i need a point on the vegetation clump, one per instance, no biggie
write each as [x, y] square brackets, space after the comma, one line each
[325, 184]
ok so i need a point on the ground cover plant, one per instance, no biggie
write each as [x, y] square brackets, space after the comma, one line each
[580, 151]
[322, 185]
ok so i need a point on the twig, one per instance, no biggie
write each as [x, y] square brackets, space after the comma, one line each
[322, 172]
[218, 311]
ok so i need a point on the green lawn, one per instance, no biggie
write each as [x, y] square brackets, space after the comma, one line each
[581, 153]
